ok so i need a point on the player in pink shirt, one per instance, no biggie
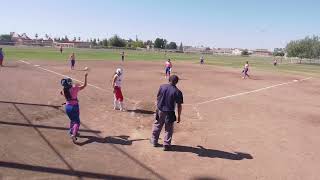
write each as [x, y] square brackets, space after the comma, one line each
[70, 92]
[168, 68]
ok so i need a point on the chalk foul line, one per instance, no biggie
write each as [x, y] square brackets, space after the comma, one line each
[248, 92]
[59, 74]
[196, 104]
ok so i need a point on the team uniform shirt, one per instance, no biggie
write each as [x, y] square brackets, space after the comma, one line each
[117, 88]
[168, 96]
[246, 67]
[118, 81]
[168, 67]
[168, 64]
[74, 95]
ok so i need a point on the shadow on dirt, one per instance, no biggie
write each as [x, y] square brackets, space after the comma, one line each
[207, 178]
[10, 66]
[141, 111]
[73, 173]
[211, 153]
[124, 140]
[121, 140]
[31, 104]
[45, 127]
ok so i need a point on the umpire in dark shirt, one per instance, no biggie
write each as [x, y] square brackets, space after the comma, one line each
[168, 96]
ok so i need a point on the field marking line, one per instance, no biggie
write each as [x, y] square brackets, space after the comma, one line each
[249, 92]
[195, 108]
[25, 62]
[59, 74]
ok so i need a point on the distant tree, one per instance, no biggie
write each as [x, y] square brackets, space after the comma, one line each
[278, 53]
[74, 39]
[94, 42]
[138, 44]
[36, 35]
[47, 36]
[181, 47]
[66, 39]
[309, 47]
[148, 43]
[129, 43]
[105, 42]
[5, 37]
[171, 45]
[245, 52]
[116, 41]
[57, 39]
[79, 39]
[160, 43]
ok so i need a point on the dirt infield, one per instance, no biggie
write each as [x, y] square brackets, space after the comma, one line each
[262, 128]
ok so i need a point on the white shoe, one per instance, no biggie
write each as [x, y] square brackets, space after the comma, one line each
[74, 138]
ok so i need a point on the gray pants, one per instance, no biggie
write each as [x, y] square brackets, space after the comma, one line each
[157, 127]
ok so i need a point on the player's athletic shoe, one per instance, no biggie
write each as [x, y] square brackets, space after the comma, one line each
[70, 133]
[155, 144]
[167, 148]
[74, 139]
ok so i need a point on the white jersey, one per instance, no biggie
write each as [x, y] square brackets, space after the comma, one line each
[118, 80]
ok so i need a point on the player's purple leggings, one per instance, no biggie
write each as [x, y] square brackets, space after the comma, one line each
[74, 116]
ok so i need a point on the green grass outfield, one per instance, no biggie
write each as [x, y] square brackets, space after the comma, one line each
[259, 63]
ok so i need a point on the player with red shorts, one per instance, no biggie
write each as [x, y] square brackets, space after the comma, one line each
[116, 84]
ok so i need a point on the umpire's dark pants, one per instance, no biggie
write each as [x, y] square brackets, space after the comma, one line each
[157, 127]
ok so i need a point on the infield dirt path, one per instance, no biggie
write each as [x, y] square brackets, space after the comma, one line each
[267, 134]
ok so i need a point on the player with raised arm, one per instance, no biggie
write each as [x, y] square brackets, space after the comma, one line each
[70, 92]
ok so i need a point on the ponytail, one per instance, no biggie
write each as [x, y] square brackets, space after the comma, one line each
[66, 92]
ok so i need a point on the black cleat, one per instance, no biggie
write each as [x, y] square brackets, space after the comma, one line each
[166, 148]
[155, 144]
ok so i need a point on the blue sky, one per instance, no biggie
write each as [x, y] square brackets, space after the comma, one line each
[230, 23]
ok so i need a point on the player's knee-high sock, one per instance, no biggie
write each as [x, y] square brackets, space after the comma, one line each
[115, 103]
[121, 106]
